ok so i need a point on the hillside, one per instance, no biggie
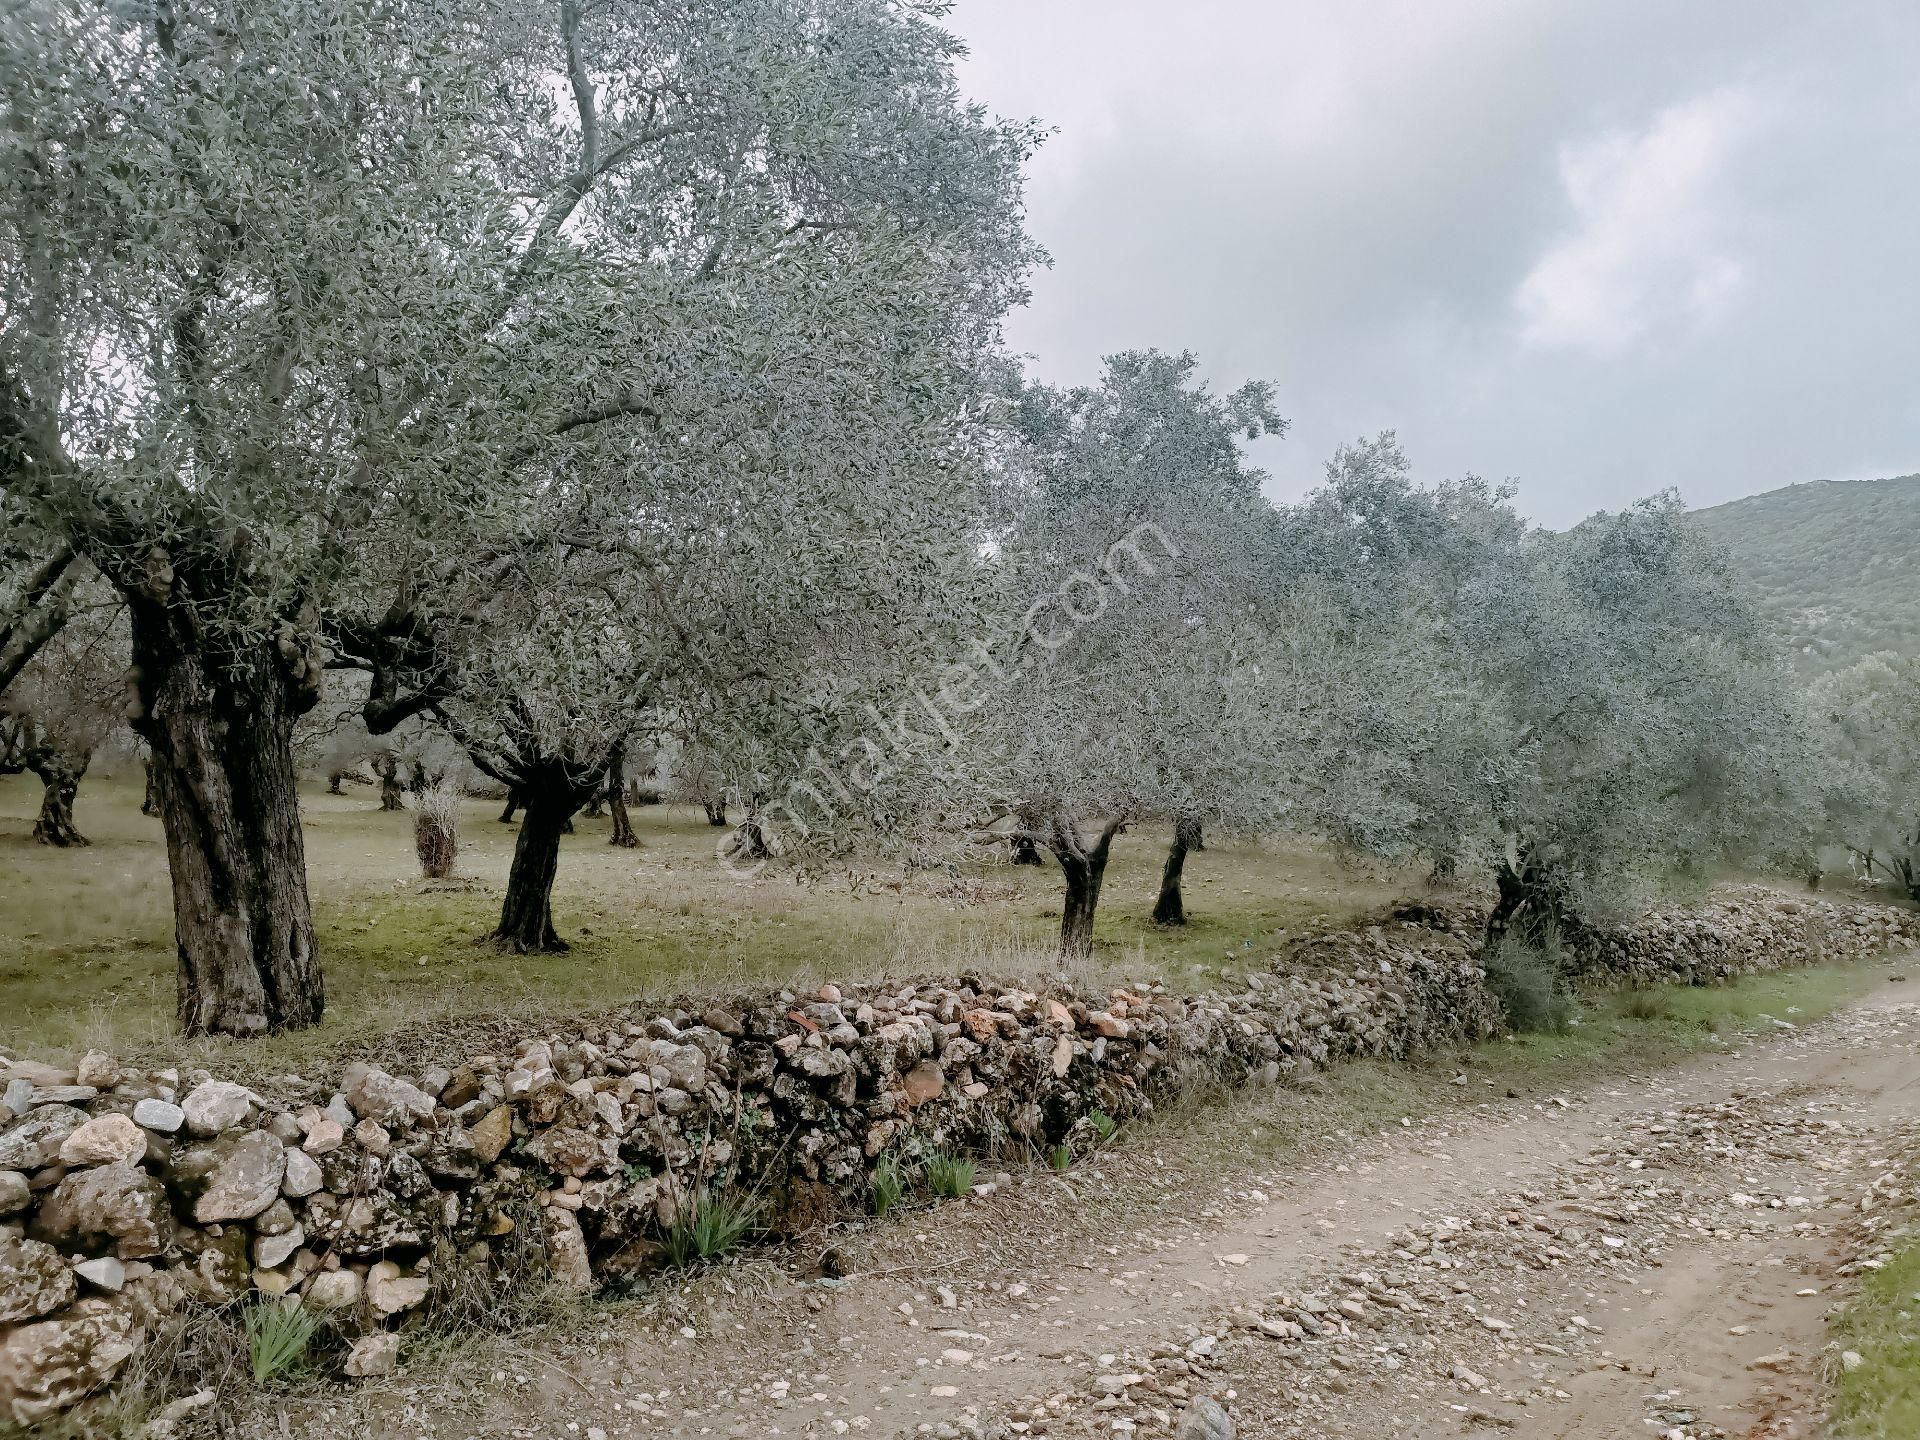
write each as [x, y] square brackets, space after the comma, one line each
[1833, 561]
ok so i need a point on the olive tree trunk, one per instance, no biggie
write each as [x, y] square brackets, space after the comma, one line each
[392, 797]
[60, 782]
[513, 804]
[1084, 868]
[220, 728]
[716, 811]
[1170, 908]
[616, 797]
[526, 914]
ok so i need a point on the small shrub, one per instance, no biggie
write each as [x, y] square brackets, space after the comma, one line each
[1062, 1157]
[1646, 1005]
[889, 1186]
[278, 1338]
[709, 1223]
[949, 1176]
[1526, 979]
[1103, 1125]
[436, 830]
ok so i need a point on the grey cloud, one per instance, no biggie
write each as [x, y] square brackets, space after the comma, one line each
[1599, 249]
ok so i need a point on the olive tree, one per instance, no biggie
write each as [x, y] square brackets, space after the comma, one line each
[62, 704]
[308, 299]
[1871, 749]
[1638, 707]
[1125, 658]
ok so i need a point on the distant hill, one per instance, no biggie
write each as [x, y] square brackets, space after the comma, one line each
[1837, 563]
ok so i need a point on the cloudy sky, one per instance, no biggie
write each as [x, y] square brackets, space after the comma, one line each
[1598, 248]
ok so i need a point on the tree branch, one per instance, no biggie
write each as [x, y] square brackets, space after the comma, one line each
[44, 606]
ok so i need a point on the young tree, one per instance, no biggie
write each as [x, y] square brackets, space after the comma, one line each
[306, 298]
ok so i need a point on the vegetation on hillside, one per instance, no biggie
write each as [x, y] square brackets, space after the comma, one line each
[1832, 564]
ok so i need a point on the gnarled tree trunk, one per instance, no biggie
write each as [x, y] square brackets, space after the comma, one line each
[749, 840]
[716, 811]
[392, 797]
[220, 728]
[513, 803]
[1532, 902]
[1170, 908]
[616, 796]
[60, 777]
[1084, 867]
[150, 802]
[549, 799]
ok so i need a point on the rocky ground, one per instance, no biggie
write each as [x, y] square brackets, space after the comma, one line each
[1654, 1258]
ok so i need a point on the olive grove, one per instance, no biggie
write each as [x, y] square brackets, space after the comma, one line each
[322, 314]
[546, 385]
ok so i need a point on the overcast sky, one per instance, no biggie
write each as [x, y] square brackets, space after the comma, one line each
[1598, 248]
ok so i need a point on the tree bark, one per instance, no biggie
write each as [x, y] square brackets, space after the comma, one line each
[44, 602]
[513, 803]
[1510, 893]
[150, 804]
[60, 779]
[1170, 908]
[616, 796]
[716, 811]
[526, 914]
[392, 797]
[749, 839]
[1532, 902]
[1084, 867]
[1022, 851]
[220, 728]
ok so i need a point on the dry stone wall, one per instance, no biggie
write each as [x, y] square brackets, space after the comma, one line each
[128, 1193]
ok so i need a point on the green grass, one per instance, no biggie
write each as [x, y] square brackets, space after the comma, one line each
[1525, 976]
[1880, 1400]
[1662, 1023]
[949, 1176]
[279, 1337]
[86, 948]
[887, 1188]
[711, 1223]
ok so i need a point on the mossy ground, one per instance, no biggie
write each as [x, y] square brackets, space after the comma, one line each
[86, 946]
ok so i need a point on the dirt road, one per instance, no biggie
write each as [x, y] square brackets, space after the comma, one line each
[1653, 1258]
